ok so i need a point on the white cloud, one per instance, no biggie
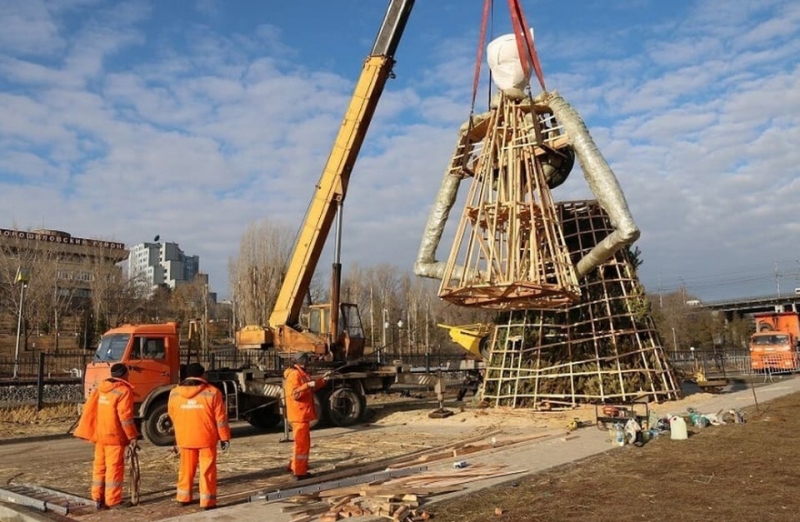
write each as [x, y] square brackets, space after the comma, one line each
[113, 135]
[29, 28]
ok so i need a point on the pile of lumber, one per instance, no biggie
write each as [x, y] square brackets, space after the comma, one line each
[396, 499]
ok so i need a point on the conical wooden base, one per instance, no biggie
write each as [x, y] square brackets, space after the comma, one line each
[604, 348]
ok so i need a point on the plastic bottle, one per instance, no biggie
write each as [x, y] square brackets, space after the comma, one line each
[677, 428]
[619, 435]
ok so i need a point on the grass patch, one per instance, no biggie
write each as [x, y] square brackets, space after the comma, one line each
[50, 413]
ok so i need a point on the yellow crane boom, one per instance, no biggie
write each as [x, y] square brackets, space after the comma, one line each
[282, 329]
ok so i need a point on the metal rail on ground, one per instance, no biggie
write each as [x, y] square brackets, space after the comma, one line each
[340, 483]
[44, 499]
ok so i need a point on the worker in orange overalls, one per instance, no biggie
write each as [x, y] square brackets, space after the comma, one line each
[200, 417]
[298, 391]
[107, 420]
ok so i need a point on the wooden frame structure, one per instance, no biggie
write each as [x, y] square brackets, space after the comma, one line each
[509, 252]
[604, 348]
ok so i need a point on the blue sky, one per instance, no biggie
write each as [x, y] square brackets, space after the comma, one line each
[191, 119]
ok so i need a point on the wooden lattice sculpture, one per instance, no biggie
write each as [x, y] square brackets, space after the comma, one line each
[603, 348]
[509, 252]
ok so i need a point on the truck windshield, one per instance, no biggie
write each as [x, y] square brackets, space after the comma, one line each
[112, 347]
[770, 339]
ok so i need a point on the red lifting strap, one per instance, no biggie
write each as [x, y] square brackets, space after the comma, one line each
[476, 78]
[525, 46]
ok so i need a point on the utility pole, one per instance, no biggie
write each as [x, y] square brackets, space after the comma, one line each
[233, 317]
[660, 294]
[683, 291]
[371, 318]
[205, 320]
[674, 342]
[55, 318]
[427, 337]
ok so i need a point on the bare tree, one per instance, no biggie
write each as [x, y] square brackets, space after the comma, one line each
[37, 260]
[116, 299]
[190, 302]
[257, 273]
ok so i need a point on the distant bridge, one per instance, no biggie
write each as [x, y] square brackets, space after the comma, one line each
[750, 305]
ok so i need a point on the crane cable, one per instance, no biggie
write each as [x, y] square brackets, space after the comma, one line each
[132, 456]
[525, 47]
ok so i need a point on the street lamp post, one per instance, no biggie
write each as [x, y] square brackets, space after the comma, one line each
[385, 318]
[22, 278]
[400, 337]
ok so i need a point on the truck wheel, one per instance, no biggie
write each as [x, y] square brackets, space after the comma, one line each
[158, 427]
[346, 407]
[264, 418]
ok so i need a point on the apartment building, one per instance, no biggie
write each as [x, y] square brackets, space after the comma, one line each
[162, 264]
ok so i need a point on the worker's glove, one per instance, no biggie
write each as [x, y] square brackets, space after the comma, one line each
[224, 445]
[327, 375]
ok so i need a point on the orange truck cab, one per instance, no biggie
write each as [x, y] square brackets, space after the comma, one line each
[774, 345]
[152, 354]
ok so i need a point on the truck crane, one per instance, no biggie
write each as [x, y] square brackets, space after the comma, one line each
[333, 331]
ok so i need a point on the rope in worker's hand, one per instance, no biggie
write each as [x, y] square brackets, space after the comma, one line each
[132, 456]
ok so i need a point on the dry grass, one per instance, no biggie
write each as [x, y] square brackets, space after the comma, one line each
[731, 472]
[19, 421]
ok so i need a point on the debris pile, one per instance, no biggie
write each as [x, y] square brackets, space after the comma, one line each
[395, 499]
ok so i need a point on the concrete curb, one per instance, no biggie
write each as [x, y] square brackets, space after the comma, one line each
[37, 438]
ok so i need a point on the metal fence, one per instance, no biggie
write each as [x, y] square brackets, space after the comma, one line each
[231, 357]
[734, 362]
[66, 366]
[431, 361]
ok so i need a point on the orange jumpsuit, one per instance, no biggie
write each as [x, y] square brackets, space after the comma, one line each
[107, 420]
[299, 390]
[198, 412]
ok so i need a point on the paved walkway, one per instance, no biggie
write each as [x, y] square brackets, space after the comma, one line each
[533, 456]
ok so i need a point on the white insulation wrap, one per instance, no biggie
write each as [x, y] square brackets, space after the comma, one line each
[503, 58]
[602, 182]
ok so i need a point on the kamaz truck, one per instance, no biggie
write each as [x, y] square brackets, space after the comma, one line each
[774, 345]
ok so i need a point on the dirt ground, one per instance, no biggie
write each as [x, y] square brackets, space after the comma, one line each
[397, 426]
[732, 472]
